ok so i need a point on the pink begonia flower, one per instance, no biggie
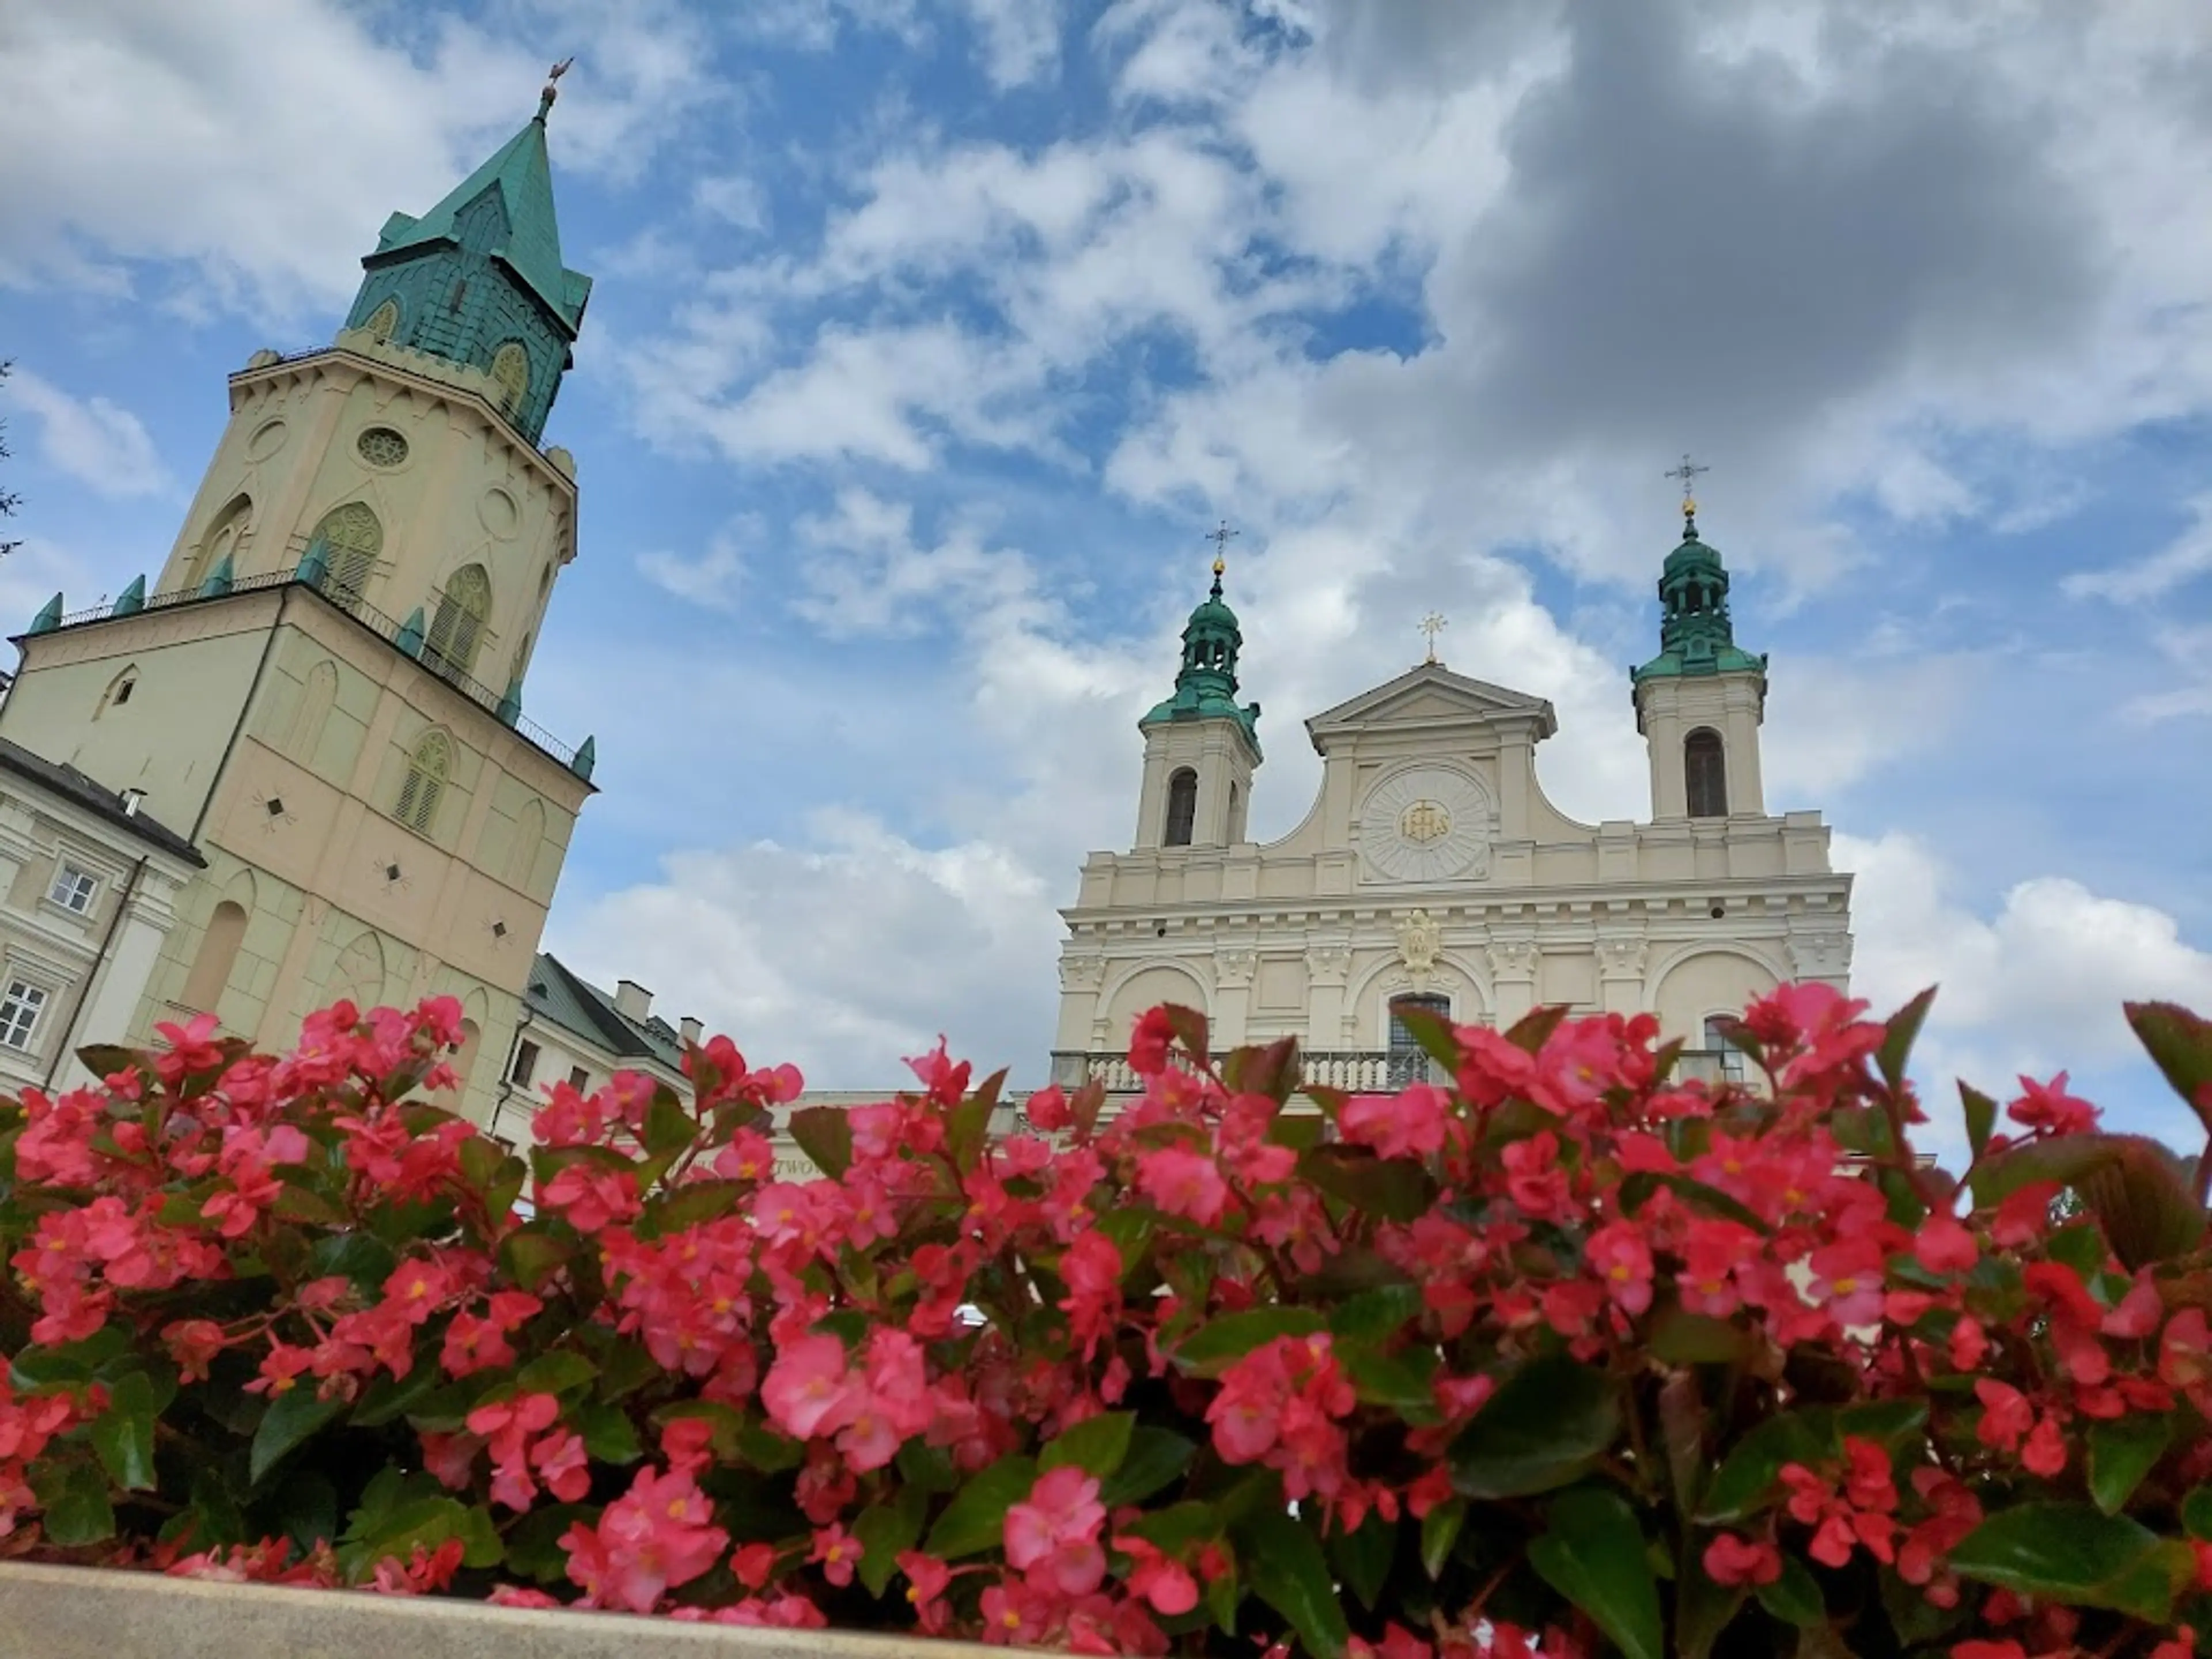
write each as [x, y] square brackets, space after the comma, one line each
[1053, 1536]
[1184, 1184]
[808, 1390]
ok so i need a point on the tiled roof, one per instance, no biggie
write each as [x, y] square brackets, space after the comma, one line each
[561, 997]
[97, 799]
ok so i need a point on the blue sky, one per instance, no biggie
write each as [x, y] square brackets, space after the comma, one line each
[929, 339]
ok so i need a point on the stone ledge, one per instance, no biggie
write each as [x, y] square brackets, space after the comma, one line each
[85, 1613]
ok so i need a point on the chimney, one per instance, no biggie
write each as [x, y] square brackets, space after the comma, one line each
[132, 798]
[692, 1029]
[633, 1000]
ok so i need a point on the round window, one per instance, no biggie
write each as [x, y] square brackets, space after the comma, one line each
[381, 446]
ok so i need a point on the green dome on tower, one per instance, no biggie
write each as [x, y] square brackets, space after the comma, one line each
[1205, 686]
[1696, 635]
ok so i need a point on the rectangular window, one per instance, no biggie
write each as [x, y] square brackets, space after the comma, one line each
[19, 1013]
[580, 1080]
[525, 1064]
[73, 889]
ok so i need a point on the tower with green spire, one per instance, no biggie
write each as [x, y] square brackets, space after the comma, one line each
[1700, 702]
[1201, 746]
[478, 279]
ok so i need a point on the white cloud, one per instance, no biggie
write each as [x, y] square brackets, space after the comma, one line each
[2187, 556]
[713, 579]
[94, 441]
[2033, 988]
[1020, 38]
[262, 144]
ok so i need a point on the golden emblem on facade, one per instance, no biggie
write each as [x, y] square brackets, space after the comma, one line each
[1424, 821]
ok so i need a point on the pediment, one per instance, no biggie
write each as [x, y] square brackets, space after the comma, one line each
[1431, 696]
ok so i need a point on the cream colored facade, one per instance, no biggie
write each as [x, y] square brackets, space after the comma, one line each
[88, 888]
[323, 692]
[1431, 866]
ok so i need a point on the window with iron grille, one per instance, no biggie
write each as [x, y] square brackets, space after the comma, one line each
[1409, 1061]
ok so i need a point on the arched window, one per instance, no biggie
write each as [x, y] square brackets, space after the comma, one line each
[529, 837]
[1236, 815]
[317, 698]
[1182, 807]
[463, 1062]
[1705, 771]
[1733, 1062]
[457, 629]
[510, 377]
[427, 769]
[118, 692]
[383, 322]
[351, 538]
[358, 975]
[221, 541]
[1409, 1061]
[218, 954]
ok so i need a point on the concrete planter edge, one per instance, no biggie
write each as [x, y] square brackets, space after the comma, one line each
[90, 1613]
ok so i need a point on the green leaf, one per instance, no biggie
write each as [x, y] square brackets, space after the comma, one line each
[669, 1125]
[1433, 1032]
[1748, 1475]
[824, 1133]
[1290, 1573]
[292, 1417]
[1156, 1460]
[1176, 1529]
[2180, 1043]
[1439, 1532]
[1219, 1343]
[1702, 1610]
[124, 1436]
[1592, 1553]
[966, 1127]
[429, 1522]
[75, 1499]
[926, 1468]
[2197, 1513]
[1794, 1598]
[1887, 1422]
[1393, 1188]
[1981, 1116]
[105, 1059]
[1402, 1381]
[688, 1206]
[1364, 1557]
[555, 1373]
[1373, 1314]
[1272, 1071]
[609, 1435]
[1097, 1445]
[1899, 1037]
[975, 1519]
[530, 1257]
[1636, 1190]
[389, 1397]
[1547, 1425]
[2122, 1452]
[1189, 1027]
[1688, 1338]
[885, 1531]
[1534, 1028]
[533, 1544]
[2073, 1553]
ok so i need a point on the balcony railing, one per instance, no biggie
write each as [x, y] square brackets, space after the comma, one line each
[369, 617]
[1375, 1071]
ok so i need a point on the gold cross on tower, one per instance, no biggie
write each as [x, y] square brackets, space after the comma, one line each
[1687, 472]
[1431, 625]
[1220, 537]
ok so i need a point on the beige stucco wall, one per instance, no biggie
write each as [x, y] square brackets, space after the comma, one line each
[469, 490]
[1678, 917]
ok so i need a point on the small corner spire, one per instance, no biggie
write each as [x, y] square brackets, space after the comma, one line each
[1687, 472]
[552, 87]
[1220, 537]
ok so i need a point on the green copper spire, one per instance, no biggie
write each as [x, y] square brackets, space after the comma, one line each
[411, 634]
[49, 617]
[1206, 688]
[219, 580]
[1695, 634]
[132, 599]
[586, 759]
[478, 279]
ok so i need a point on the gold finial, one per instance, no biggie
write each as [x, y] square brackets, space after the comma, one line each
[1431, 625]
[1688, 473]
[1220, 538]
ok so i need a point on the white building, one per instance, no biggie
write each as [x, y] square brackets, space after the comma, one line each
[88, 886]
[571, 1032]
[1433, 871]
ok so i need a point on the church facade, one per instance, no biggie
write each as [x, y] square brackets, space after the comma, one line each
[1432, 871]
[322, 692]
